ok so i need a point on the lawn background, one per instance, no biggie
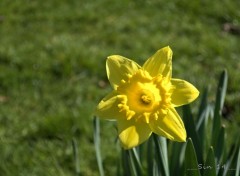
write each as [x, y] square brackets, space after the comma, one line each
[52, 71]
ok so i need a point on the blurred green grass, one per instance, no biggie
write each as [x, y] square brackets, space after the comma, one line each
[52, 70]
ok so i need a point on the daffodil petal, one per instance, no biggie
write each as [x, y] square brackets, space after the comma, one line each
[118, 67]
[160, 63]
[108, 107]
[171, 126]
[183, 92]
[132, 132]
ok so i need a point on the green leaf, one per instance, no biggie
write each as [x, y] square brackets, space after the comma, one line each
[135, 161]
[202, 114]
[150, 157]
[210, 165]
[220, 96]
[119, 168]
[220, 144]
[238, 164]
[156, 171]
[161, 154]
[191, 131]
[175, 160]
[75, 156]
[191, 164]
[228, 164]
[126, 163]
[96, 138]
[202, 126]
[203, 104]
[132, 165]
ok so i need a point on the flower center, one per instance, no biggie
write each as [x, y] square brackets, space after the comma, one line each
[145, 97]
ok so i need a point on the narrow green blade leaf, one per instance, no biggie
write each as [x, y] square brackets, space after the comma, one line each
[155, 169]
[135, 160]
[76, 158]
[191, 164]
[96, 138]
[132, 165]
[150, 157]
[203, 111]
[221, 92]
[161, 154]
[191, 131]
[209, 168]
[238, 164]
[227, 166]
[175, 162]
[220, 144]
[202, 126]
[126, 163]
[203, 104]
[119, 168]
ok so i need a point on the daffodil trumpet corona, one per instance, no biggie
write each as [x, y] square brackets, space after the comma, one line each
[144, 98]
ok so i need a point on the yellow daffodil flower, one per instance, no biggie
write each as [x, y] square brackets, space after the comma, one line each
[144, 98]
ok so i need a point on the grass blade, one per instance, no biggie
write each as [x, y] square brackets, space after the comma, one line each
[202, 127]
[238, 164]
[210, 164]
[75, 156]
[161, 154]
[228, 164]
[220, 144]
[191, 131]
[202, 113]
[133, 167]
[119, 168]
[220, 96]
[126, 163]
[191, 164]
[175, 158]
[96, 138]
[150, 157]
[131, 163]
[155, 169]
[135, 160]
[203, 104]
